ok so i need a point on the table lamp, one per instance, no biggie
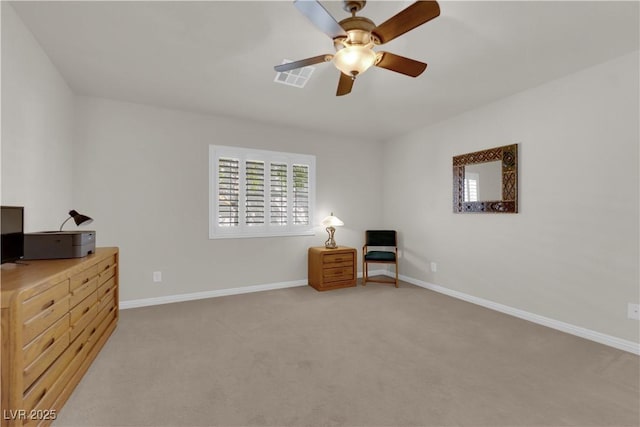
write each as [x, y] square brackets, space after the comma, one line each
[330, 222]
[78, 218]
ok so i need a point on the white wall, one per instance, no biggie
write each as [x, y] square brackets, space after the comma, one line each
[37, 129]
[142, 174]
[571, 254]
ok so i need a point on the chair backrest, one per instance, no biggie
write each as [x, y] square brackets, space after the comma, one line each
[380, 238]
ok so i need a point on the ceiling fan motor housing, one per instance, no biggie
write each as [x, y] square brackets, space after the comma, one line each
[353, 6]
[358, 30]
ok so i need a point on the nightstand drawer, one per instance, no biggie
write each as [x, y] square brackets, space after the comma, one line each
[344, 258]
[337, 274]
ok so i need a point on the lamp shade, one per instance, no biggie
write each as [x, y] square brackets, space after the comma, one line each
[354, 60]
[79, 218]
[332, 221]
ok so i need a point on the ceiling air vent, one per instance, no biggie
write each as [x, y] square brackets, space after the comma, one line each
[297, 77]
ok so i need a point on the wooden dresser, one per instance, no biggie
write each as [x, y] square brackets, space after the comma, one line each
[332, 268]
[56, 317]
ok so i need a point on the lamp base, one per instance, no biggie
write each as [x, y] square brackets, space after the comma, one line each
[330, 243]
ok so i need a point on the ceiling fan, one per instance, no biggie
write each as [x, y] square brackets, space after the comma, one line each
[355, 37]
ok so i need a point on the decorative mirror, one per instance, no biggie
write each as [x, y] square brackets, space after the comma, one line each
[486, 181]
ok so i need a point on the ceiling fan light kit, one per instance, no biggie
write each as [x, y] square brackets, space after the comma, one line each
[355, 37]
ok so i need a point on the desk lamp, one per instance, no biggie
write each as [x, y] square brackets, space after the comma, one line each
[77, 217]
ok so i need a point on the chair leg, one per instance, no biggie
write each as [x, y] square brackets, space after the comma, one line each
[396, 274]
[364, 273]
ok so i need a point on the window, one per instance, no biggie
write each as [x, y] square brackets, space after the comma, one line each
[471, 181]
[256, 193]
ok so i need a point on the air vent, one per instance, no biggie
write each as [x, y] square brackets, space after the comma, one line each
[297, 77]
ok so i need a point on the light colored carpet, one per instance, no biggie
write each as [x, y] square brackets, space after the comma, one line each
[365, 356]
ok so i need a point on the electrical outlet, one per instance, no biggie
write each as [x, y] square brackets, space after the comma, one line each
[434, 267]
[157, 276]
[633, 311]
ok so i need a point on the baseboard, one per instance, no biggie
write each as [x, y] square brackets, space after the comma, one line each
[145, 302]
[209, 294]
[619, 343]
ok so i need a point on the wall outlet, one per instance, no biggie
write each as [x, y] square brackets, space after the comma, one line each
[434, 267]
[633, 311]
[157, 276]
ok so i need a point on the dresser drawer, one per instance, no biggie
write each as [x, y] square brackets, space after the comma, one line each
[46, 340]
[344, 258]
[36, 325]
[107, 300]
[45, 300]
[106, 264]
[106, 287]
[107, 274]
[83, 291]
[38, 366]
[81, 309]
[106, 317]
[83, 277]
[89, 313]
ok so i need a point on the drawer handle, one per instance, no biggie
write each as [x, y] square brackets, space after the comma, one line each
[48, 344]
[93, 331]
[80, 348]
[86, 310]
[108, 266]
[48, 304]
[86, 280]
[42, 395]
[111, 309]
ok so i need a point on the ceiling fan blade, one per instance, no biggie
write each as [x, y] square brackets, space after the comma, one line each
[400, 64]
[320, 17]
[408, 19]
[302, 63]
[344, 85]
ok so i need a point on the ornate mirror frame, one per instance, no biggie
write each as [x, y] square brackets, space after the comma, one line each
[508, 154]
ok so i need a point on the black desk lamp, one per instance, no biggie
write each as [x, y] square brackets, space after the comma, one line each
[77, 217]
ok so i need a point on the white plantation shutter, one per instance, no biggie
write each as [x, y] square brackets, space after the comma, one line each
[278, 194]
[228, 183]
[301, 194]
[260, 193]
[254, 193]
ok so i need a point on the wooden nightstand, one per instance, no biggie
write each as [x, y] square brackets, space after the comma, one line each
[332, 268]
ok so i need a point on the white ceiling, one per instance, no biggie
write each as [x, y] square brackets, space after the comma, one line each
[217, 57]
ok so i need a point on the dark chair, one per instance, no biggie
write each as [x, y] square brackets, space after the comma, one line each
[379, 238]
